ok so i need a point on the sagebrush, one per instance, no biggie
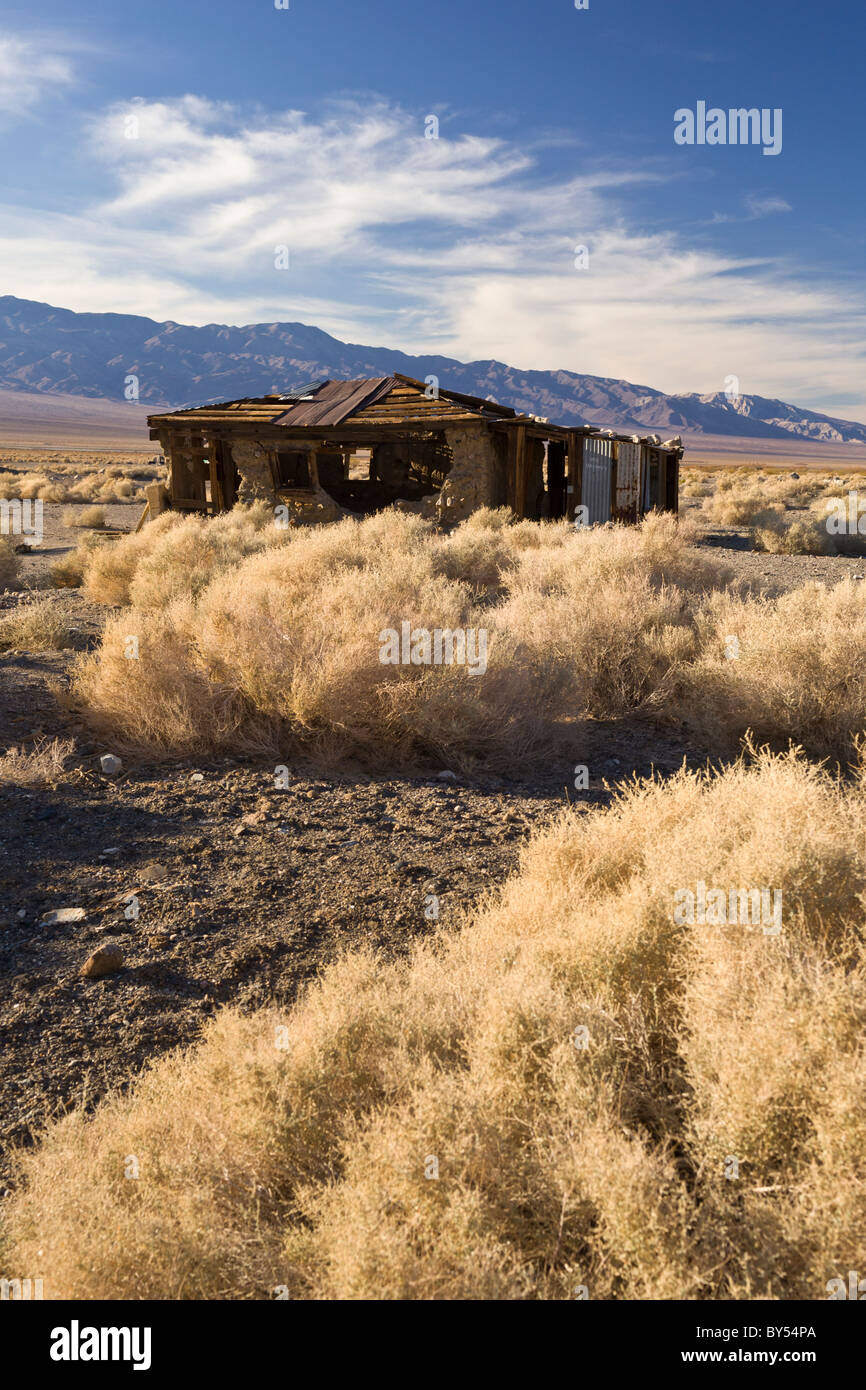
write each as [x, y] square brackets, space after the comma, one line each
[549, 1098]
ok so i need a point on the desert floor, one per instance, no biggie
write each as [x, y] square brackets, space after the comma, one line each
[243, 891]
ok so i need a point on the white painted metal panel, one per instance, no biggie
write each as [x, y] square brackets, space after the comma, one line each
[597, 465]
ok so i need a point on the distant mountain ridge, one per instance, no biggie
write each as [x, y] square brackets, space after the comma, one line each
[46, 349]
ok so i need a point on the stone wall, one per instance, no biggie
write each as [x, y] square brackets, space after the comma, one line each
[476, 479]
[473, 480]
[257, 485]
[256, 482]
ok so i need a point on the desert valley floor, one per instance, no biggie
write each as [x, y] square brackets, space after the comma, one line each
[244, 891]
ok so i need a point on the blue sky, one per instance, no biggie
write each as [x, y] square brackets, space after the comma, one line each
[155, 156]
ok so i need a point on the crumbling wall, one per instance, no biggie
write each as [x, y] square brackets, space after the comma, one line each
[472, 480]
[254, 470]
[475, 479]
[305, 509]
[257, 484]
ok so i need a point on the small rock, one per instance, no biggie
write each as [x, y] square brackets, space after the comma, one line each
[110, 764]
[794, 475]
[197, 777]
[62, 914]
[105, 961]
[154, 873]
[446, 776]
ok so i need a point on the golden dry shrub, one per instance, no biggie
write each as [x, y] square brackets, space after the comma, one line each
[34, 626]
[842, 517]
[285, 646]
[31, 486]
[109, 571]
[777, 534]
[68, 572]
[576, 1089]
[735, 505]
[176, 556]
[9, 565]
[788, 668]
[87, 516]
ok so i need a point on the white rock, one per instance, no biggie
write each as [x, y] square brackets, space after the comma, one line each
[62, 914]
[110, 764]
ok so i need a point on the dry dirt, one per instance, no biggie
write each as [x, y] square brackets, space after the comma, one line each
[242, 890]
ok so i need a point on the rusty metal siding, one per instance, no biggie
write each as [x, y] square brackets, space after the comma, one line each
[628, 459]
[597, 475]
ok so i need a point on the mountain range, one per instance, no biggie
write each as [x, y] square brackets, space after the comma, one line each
[44, 349]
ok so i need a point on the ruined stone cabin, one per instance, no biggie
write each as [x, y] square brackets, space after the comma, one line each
[348, 448]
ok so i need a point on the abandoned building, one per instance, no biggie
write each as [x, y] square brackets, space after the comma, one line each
[348, 448]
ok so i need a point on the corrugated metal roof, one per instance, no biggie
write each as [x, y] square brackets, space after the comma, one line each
[336, 400]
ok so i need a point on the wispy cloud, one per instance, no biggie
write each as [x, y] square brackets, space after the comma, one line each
[765, 207]
[756, 208]
[457, 245]
[29, 67]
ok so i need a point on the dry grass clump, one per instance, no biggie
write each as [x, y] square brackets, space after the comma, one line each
[843, 518]
[284, 647]
[805, 535]
[280, 650]
[68, 572]
[31, 486]
[795, 671]
[739, 496]
[109, 570]
[176, 556]
[42, 765]
[696, 482]
[735, 507]
[34, 627]
[92, 487]
[9, 564]
[88, 516]
[558, 1095]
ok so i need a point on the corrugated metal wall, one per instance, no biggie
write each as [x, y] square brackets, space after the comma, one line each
[628, 457]
[597, 466]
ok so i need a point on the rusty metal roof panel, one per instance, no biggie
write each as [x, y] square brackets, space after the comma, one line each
[336, 401]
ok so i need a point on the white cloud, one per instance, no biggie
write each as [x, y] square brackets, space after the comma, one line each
[765, 207]
[455, 245]
[29, 67]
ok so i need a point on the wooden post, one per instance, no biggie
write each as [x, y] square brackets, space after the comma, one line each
[520, 472]
[556, 478]
[614, 464]
[216, 491]
[156, 498]
[511, 471]
[663, 481]
[575, 469]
